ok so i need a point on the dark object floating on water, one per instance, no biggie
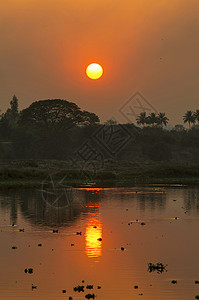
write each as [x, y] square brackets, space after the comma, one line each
[94, 226]
[159, 267]
[90, 296]
[21, 230]
[99, 287]
[127, 209]
[34, 287]
[135, 286]
[29, 271]
[64, 291]
[174, 200]
[70, 298]
[176, 218]
[174, 281]
[82, 281]
[79, 288]
[197, 297]
[143, 223]
[140, 294]
[14, 247]
[89, 287]
[13, 224]
[55, 230]
[196, 281]
[79, 233]
[100, 239]
[122, 248]
[72, 245]
[39, 245]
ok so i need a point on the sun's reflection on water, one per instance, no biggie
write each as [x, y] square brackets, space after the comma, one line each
[93, 232]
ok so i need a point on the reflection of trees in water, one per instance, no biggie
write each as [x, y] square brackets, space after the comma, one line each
[39, 212]
[36, 210]
[144, 198]
[151, 201]
[191, 198]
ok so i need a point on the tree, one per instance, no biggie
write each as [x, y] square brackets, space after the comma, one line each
[196, 114]
[162, 119]
[189, 117]
[142, 118]
[10, 118]
[56, 115]
[152, 119]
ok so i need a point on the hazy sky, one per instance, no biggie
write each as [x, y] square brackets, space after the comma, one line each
[148, 46]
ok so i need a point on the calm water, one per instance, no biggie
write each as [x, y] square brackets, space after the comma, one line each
[170, 235]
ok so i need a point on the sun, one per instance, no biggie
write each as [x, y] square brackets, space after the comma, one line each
[94, 71]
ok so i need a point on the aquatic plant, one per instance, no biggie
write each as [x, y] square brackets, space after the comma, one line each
[174, 281]
[90, 296]
[89, 287]
[159, 267]
[79, 288]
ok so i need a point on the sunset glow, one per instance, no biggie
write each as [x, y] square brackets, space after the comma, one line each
[94, 71]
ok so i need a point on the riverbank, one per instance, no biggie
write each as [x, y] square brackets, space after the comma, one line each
[35, 177]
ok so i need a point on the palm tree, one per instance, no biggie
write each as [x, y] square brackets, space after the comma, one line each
[142, 118]
[162, 119]
[152, 119]
[196, 114]
[189, 117]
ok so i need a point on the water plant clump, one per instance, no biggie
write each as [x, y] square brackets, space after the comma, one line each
[79, 288]
[159, 267]
[90, 296]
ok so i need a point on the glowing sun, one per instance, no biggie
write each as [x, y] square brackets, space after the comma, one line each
[94, 71]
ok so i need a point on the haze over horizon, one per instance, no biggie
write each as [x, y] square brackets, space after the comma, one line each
[146, 46]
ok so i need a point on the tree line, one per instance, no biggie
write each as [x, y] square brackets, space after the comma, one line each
[56, 128]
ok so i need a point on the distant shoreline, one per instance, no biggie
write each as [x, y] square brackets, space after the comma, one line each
[30, 177]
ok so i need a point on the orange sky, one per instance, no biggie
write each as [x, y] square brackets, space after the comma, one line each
[148, 46]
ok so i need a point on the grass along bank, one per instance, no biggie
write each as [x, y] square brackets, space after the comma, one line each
[160, 174]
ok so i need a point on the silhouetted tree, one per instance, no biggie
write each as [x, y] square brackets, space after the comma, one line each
[142, 118]
[162, 119]
[56, 115]
[9, 119]
[196, 114]
[152, 119]
[189, 118]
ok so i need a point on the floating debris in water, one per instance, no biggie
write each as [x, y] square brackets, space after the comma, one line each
[34, 287]
[159, 267]
[90, 296]
[100, 239]
[55, 230]
[89, 287]
[72, 245]
[70, 298]
[197, 297]
[142, 223]
[39, 245]
[79, 288]
[94, 226]
[174, 281]
[99, 287]
[21, 230]
[196, 281]
[14, 247]
[135, 286]
[64, 291]
[29, 271]
[122, 248]
[79, 233]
